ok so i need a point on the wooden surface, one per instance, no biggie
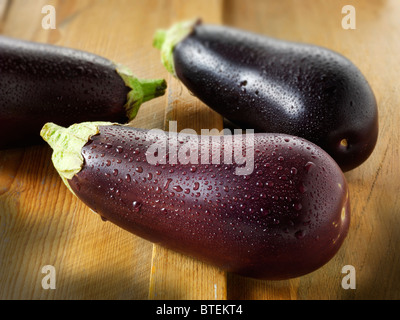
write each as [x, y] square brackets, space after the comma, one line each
[41, 223]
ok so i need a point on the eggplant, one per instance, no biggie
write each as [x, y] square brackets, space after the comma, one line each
[42, 83]
[265, 206]
[276, 86]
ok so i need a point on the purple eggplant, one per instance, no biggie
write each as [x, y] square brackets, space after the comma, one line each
[40, 83]
[271, 85]
[267, 206]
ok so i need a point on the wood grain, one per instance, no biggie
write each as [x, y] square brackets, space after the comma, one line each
[41, 223]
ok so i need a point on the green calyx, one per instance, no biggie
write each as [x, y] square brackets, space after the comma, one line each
[142, 90]
[166, 40]
[67, 144]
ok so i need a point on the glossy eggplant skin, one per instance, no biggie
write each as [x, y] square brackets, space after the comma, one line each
[277, 86]
[40, 83]
[287, 218]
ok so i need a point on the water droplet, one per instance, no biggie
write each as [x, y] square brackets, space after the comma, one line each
[297, 206]
[302, 188]
[309, 166]
[139, 169]
[136, 206]
[269, 184]
[177, 188]
[283, 177]
[115, 172]
[128, 178]
[167, 183]
[300, 234]
[196, 186]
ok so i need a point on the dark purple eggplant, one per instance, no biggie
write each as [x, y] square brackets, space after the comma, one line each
[42, 83]
[272, 85]
[282, 212]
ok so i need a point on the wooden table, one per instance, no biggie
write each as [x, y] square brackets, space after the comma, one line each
[42, 223]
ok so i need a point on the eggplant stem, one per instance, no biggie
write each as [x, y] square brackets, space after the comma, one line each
[166, 40]
[141, 90]
[67, 144]
[152, 88]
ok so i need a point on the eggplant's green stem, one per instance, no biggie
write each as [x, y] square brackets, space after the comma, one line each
[166, 40]
[141, 90]
[67, 144]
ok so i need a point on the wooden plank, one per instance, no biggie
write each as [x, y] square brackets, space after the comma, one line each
[373, 241]
[41, 223]
[3, 8]
[175, 276]
[4, 5]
